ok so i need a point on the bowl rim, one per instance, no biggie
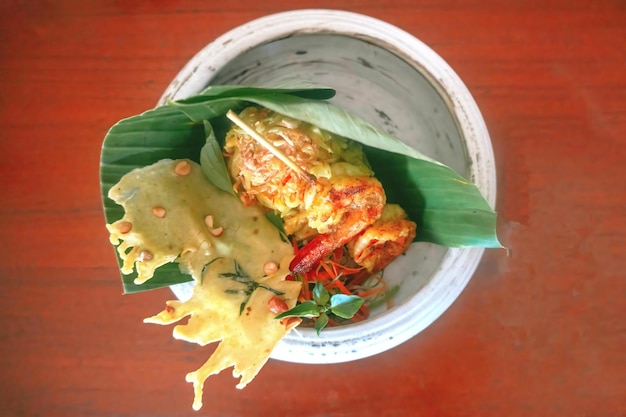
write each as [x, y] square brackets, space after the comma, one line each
[360, 340]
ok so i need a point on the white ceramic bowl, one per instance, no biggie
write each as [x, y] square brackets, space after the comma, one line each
[395, 81]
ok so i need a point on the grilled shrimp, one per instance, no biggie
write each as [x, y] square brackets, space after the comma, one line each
[382, 242]
[339, 210]
[344, 203]
[260, 176]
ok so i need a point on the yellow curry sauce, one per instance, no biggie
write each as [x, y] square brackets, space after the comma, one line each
[174, 214]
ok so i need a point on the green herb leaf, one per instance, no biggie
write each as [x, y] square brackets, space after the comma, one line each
[212, 161]
[320, 294]
[204, 268]
[241, 277]
[277, 221]
[345, 306]
[320, 323]
[306, 309]
[270, 289]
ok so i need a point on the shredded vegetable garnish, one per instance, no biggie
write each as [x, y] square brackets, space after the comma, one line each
[338, 274]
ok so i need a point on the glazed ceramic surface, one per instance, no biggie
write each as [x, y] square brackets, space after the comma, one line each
[393, 80]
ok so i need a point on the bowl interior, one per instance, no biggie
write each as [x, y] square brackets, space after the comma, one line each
[370, 81]
[380, 87]
[401, 97]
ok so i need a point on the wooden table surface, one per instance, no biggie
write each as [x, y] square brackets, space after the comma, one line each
[541, 332]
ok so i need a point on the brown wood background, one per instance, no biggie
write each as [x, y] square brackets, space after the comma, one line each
[539, 333]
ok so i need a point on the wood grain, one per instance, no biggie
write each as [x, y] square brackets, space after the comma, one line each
[539, 332]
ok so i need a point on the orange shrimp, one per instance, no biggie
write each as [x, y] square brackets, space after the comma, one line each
[382, 242]
[340, 209]
[343, 205]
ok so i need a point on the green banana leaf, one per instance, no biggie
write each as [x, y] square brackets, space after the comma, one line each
[448, 209]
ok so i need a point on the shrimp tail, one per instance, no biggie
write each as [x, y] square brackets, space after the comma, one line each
[314, 251]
